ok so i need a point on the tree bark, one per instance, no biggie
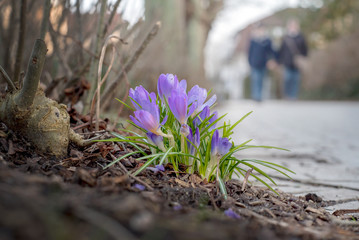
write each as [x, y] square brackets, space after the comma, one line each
[20, 42]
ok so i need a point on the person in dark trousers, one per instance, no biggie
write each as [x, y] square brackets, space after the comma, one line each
[260, 51]
[293, 45]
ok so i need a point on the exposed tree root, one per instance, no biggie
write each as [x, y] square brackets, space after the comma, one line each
[44, 122]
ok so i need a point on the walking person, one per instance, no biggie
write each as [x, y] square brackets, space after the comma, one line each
[260, 52]
[292, 49]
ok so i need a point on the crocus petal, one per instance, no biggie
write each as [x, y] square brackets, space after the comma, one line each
[212, 119]
[178, 105]
[197, 138]
[139, 186]
[192, 108]
[153, 97]
[193, 140]
[156, 139]
[197, 94]
[153, 169]
[230, 213]
[184, 130]
[166, 84]
[164, 120]
[183, 85]
[140, 98]
[224, 146]
[215, 142]
[201, 116]
[204, 113]
[177, 207]
[160, 167]
[160, 84]
[209, 103]
[135, 121]
[147, 120]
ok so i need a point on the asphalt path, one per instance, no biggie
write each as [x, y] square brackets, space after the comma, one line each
[323, 139]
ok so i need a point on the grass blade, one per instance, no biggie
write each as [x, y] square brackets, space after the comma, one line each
[147, 163]
[126, 105]
[120, 158]
[222, 187]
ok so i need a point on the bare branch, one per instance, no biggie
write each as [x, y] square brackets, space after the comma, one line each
[45, 19]
[7, 78]
[94, 62]
[113, 13]
[10, 37]
[20, 42]
[109, 88]
[79, 29]
[33, 73]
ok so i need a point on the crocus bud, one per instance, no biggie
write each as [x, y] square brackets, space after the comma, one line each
[184, 130]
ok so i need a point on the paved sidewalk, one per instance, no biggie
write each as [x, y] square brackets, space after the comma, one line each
[323, 138]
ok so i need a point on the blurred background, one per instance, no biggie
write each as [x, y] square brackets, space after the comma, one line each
[207, 42]
[203, 41]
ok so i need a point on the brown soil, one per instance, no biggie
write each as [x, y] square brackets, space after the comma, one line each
[74, 198]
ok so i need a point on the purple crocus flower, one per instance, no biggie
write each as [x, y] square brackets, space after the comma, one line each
[140, 98]
[198, 95]
[160, 167]
[149, 119]
[156, 140]
[219, 146]
[139, 186]
[184, 130]
[205, 113]
[232, 214]
[157, 168]
[177, 207]
[178, 103]
[224, 146]
[169, 82]
[193, 140]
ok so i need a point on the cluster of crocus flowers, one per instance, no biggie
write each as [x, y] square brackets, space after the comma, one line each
[180, 120]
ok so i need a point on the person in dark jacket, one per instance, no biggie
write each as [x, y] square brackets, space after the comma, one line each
[260, 51]
[293, 45]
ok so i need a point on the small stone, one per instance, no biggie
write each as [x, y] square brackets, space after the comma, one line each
[314, 197]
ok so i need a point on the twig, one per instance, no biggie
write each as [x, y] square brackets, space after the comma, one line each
[79, 28]
[132, 29]
[308, 182]
[345, 211]
[113, 13]
[82, 126]
[212, 200]
[7, 79]
[33, 73]
[90, 133]
[79, 43]
[105, 97]
[131, 175]
[95, 61]
[100, 81]
[248, 173]
[20, 42]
